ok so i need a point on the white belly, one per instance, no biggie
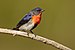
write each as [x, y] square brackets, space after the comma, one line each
[27, 26]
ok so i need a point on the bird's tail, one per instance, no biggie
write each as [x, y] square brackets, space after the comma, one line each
[15, 29]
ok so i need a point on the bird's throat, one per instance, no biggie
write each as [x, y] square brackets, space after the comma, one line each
[36, 19]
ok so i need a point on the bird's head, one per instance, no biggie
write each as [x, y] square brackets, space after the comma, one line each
[37, 10]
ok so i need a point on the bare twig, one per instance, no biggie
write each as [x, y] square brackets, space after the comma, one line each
[36, 37]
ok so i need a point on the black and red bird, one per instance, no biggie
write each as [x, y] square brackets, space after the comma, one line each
[30, 20]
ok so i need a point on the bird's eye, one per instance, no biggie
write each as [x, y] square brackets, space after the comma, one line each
[38, 10]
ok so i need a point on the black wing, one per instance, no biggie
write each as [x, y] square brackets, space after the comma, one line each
[24, 20]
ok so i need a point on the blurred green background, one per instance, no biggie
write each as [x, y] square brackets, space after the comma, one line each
[58, 23]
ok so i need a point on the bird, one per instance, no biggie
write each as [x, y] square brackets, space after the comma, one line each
[30, 20]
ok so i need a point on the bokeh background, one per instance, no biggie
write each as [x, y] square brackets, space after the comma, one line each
[58, 23]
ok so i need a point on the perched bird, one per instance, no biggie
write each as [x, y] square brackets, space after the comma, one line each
[30, 20]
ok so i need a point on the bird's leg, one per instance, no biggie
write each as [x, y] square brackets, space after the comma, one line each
[31, 31]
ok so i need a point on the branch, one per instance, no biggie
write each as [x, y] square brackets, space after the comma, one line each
[36, 37]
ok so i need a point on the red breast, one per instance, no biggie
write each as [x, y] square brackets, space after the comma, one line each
[36, 18]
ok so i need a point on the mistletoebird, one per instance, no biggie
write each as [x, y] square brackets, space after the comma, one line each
[30, 20]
